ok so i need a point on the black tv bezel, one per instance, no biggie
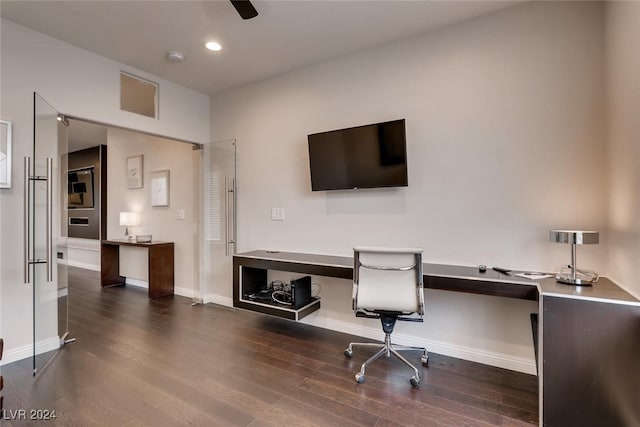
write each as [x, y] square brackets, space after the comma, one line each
[406, 163]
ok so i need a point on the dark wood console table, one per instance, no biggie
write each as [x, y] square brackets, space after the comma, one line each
[589, 336]
[160, 264]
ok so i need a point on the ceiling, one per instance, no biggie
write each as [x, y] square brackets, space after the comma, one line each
[284, 36]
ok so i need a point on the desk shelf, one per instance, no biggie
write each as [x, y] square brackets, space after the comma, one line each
[248, 280]
[279, 310]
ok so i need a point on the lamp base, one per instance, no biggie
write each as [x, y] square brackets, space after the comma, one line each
[578, 281]
[578, 277]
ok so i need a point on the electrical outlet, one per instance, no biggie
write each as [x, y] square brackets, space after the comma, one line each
[180, 214]
[277, 214]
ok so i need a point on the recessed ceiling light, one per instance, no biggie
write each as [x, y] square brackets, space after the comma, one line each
[213, 46]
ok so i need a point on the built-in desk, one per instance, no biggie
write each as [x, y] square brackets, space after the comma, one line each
[436, 276]
[160, 264]
[589, 337]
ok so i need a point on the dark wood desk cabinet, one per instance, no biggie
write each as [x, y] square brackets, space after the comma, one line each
[160, 262]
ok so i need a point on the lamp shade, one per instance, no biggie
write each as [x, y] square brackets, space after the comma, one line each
[128, 219]
[574, 237]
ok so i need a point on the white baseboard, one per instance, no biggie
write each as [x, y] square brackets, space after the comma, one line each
[499, 360]
[184, 292]
[19, 353]
[136, 282]
[218, 299]
[79, 264]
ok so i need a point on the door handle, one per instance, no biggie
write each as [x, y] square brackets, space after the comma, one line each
[49, 234]
[49, 220]
[232, 215]
[229, 221]
[226, 216]
[27, 216]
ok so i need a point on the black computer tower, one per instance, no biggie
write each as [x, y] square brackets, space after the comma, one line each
[301, 292]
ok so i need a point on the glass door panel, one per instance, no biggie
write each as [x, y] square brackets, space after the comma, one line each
[45, 232]
[217, 220]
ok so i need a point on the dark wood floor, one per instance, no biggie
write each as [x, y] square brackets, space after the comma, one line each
[163, 363]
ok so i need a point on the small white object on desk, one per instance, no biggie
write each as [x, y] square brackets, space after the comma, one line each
[143, 238]
[534, 276]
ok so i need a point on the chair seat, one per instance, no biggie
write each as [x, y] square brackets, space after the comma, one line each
[375, 314]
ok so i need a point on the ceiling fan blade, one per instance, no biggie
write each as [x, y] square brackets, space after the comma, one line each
[245, 8]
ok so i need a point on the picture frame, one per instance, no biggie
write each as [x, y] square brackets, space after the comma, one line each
[160, 188]
[6, 134]
[135, 171]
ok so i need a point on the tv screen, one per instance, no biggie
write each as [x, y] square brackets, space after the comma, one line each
[368, 156]
[80, 188]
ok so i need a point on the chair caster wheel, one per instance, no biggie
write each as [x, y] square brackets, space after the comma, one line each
[348, 353]
[360, 378]
[415, 382]
[425, 360]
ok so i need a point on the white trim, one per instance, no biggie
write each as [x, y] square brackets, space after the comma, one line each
[499, 360]
[184, 292]
[540, 359]
[594, 299]
[86, 266]
[218, 299]
[80, 248]
[25, 351]
[136, 282]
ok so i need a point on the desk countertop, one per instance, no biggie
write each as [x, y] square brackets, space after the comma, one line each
[604, 289]
[124, 242]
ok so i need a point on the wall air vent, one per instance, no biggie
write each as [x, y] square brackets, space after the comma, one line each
[138, 95]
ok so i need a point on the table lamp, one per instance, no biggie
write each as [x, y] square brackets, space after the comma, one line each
[128, 219]
[574, 276]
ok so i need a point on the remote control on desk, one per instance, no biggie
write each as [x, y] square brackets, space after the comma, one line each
[502, 270]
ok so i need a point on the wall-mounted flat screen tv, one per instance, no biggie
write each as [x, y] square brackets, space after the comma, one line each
[80, 188]
[368, 156]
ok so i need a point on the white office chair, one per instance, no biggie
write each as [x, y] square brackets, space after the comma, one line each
[387, 285]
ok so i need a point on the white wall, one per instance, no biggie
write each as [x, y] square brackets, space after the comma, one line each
[623, 90]
[505, 138]
[160, 222]
[78, 83]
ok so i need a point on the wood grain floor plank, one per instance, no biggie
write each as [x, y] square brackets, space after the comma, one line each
[139, 362]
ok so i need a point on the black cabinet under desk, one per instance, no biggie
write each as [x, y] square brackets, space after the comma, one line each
[252, 281]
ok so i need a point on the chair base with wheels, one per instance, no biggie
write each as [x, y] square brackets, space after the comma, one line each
[387, 349]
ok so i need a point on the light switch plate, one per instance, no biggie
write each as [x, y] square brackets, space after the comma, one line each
[277, 214]
[180, 214]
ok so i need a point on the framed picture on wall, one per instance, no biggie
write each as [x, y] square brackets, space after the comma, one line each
[5, 154]
[135, 169]
[160, 188]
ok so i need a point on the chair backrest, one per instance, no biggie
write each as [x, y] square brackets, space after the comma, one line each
[388, 279]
